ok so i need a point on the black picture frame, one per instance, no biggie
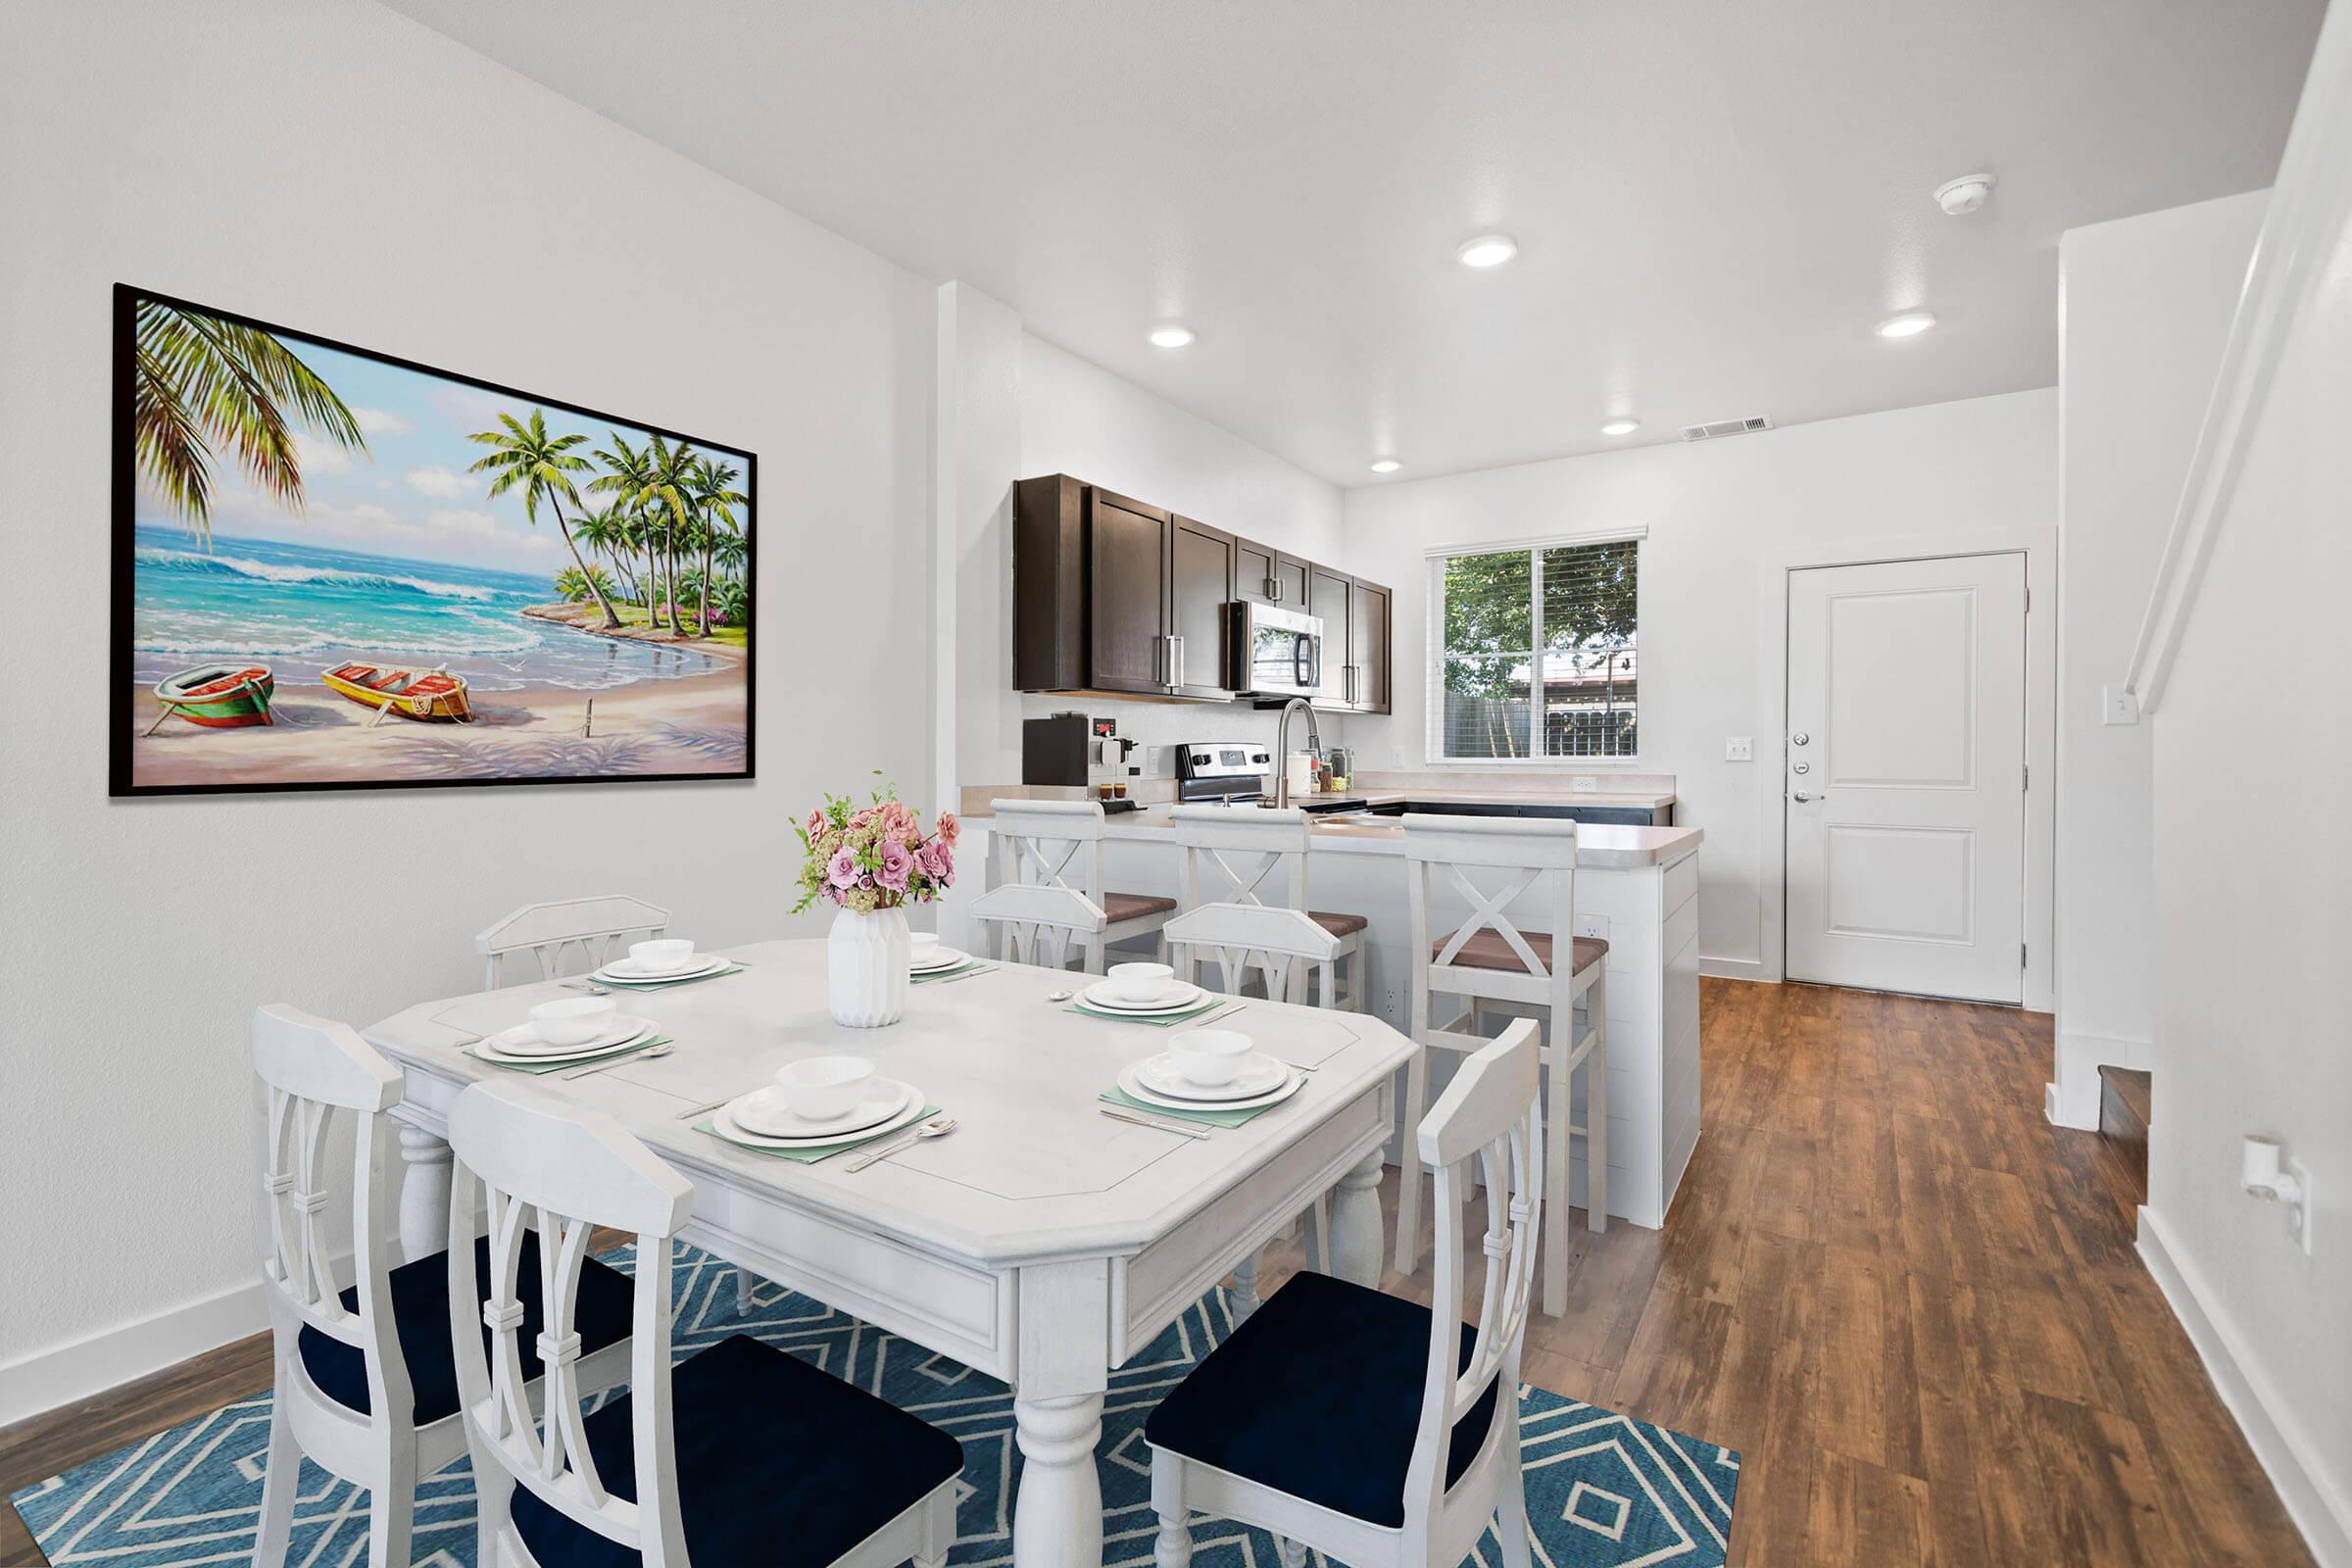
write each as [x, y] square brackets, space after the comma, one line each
[123, 706]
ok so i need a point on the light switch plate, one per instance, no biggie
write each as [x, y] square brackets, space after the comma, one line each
[2302, 1174]
[1740, 749]
[2118, 705]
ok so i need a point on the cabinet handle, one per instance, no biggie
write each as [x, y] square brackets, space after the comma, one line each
[1179, 641]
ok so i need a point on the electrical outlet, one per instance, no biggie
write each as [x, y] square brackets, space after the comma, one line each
[1584, 784]
[1740, 749]
[1592, 925]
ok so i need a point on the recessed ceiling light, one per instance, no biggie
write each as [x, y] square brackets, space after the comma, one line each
[1386, 465]
[1908, 324]
[1487, 249]
[1621, 427]
[1171, 335]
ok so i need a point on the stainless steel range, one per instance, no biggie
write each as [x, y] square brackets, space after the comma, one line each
[1239, 773]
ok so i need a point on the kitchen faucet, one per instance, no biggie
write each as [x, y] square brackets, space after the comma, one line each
[1282, 746]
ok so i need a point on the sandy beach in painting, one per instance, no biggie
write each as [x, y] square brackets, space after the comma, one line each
[684, 724]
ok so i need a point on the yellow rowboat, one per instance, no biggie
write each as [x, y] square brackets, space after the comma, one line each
[411, 694]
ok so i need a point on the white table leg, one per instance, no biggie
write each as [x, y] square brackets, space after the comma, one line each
[423, 1192]
[1063, 1369]
[1244, 1289]
[1356, 1231]
[1057, 1517]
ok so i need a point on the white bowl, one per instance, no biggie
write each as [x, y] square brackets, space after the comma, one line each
[661, 955]
[573, 1020]
[1139, 982]
[922, 944]
[823, 1088]
[1211, 1057]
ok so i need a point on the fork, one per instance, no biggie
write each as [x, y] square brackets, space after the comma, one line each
[590, 986]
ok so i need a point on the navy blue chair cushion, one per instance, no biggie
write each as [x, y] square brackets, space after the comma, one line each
[779, 1464]
[1317, 1395]
[420, 1306]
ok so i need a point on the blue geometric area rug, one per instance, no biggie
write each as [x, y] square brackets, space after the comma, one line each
[1603, 1490]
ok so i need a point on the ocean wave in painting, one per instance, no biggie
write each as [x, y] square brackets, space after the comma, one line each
[268, 571]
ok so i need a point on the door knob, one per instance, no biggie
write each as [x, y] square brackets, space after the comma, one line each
[1800, 797]
[1800, 767]
[1800, 738]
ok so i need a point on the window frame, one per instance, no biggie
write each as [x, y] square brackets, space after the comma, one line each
[1433, 728]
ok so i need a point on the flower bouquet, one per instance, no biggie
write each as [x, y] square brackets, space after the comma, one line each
[869, 861]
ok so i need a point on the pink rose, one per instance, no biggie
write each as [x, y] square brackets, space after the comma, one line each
[843, 871]
[938, 861]
[814, 827]
[948, 828]
[898, 866]
[861, 816]
[897, 822]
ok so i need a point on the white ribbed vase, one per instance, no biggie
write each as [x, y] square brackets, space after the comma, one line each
[866, 967]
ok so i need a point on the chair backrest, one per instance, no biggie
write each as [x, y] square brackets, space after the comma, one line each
[596, 926]
[317, 1069]
[1284, 944]
[1514, 856]
[1266, 847]
[1490, 1113]
[1046, 878]
[566, 1170]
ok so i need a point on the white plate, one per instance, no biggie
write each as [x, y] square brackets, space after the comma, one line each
[941, 959]
[635, 1029]
[1256, 1074]
[886, 1098]
[1131, 1081]
[723, 1122]
[524, 1039]
[626, 970]
[1180, 995]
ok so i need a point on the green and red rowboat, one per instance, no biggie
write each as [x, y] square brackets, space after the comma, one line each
[219, 696]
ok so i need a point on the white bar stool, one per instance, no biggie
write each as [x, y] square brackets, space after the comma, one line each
[1493, 966]
[1046, 897]
[1277, 841]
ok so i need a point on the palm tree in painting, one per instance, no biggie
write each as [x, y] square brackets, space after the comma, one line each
[670, 492]
[202, 385]
[541, 465]
[734, 602]
[729, 553]
[714, 502]
[578, 587]
[607, 535]
[629, 475]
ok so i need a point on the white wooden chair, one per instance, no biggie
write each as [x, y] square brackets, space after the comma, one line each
[1382, 1433]
[1045, 898]
[741, 1454]
[1492, 966]
[1275, 845]
[364, 1380]
[599, 928]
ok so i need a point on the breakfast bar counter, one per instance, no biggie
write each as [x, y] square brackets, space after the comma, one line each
[1635, 887]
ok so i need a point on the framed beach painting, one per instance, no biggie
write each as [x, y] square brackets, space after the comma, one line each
[335, 568]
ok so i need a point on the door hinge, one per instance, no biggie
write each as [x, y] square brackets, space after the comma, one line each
[2021, 955]
[2026, 769]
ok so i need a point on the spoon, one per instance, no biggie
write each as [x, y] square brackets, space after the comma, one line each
[1060, 995]
[936, 1127]
[647, 1055]
[592, 989]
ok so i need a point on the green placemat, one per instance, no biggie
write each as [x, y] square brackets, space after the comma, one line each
[542, 1068]
[810, 1156]
[1157, 1021]
[664, 984]
[1215, 1118]
[946, 974]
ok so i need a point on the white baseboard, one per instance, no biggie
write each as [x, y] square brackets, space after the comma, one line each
[2074, 1095]
[1738, 969]
[2314, 1501]
[47, 1378]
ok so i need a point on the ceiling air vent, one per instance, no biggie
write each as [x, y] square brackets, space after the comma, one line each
[1723, 427]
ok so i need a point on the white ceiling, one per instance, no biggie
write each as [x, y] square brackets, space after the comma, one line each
[1715, 202]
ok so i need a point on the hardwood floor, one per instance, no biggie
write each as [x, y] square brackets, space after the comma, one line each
[1908, 1301]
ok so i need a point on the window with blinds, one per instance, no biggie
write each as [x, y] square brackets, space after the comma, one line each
[1532, 653]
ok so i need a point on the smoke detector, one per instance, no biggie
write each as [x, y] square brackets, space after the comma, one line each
[1723, 427]
[1960, 197]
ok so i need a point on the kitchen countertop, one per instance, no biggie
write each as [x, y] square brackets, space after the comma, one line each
[1599, 846]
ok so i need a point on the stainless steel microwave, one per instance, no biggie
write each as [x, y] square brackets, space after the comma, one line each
[1275, 651]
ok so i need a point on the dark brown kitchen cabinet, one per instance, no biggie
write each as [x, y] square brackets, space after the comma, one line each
[1199, 586]
[1327, 602]
[1252, 572]
[1367, 684]
[1129, 641]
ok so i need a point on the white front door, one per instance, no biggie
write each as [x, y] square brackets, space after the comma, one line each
[1905, 776]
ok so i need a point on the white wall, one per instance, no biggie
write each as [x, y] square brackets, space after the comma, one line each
[1022, 406]
[2145, 304]
[338, 168]
[1725, 521]
[2253, 883]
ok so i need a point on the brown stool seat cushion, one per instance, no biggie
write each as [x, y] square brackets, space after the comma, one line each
[1120, 906]
[1339, 925]
[1489, 950]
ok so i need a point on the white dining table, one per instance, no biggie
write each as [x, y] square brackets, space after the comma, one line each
[1040, 1242]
